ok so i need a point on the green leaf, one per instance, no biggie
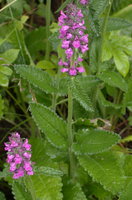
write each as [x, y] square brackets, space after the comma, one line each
[9, 56]
[44, 187]
[99, 7]
[48, 122]
[5, 70]
[125, 13]
[73, 192]
[3, 80]
[104, 169]
[1, 107]
[37, 77]
[127, 193]
[81, 95]
[113, 79]
[45, 64]
[122, 62]
[117, 24]
[19, 192]
[94, 141]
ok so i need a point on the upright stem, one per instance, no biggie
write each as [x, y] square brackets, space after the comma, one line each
[69, 132]
[48, 18]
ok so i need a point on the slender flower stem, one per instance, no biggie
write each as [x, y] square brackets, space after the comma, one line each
[69, 131]
[48, 18]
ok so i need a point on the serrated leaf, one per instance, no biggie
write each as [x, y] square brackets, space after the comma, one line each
[104, 169]
[117, 24]
[44, 187]
[81, 95]
[20, 193]
[47, 171]
[94, 141]
[113, 79]
[73, 192]
[99, 7]
[49, 123]
[127, 193]
[36, 76]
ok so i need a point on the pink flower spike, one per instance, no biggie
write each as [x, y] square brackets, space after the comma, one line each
[73, 72]
[81, 69]
[63, 70]
[79, 59]
[30, 173]
[60, 63]
[76, 44]
[26, 145]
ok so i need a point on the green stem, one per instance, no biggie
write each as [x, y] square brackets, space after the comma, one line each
[48, 18]
[69, 132]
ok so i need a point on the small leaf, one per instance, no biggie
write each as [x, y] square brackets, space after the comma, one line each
[49, 123]
[94, 141]
[37, 77]
[5, 70]
[113, 79]
[9, 56]
[104, 169]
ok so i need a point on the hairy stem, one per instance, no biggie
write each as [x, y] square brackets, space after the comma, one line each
[69, 132]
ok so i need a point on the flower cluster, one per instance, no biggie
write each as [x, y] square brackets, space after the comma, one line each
[84, 2]
[74, 40]
[18, 156]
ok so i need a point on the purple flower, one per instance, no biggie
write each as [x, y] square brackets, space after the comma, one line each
[84, 2]
[18, 156]
[74, 40]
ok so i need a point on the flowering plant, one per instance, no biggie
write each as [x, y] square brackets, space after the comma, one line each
[69, 99]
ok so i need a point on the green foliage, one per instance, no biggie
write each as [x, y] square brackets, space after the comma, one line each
[49, 123]
[73, 192]
[118, 47]
[104, 169]
[20, 192]
[127, 193]
[7, 58]
[81, 95]
[117, 24]
[44, 187]
[113, 79]
[127, 101]
[43, 80]
[94, 141]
